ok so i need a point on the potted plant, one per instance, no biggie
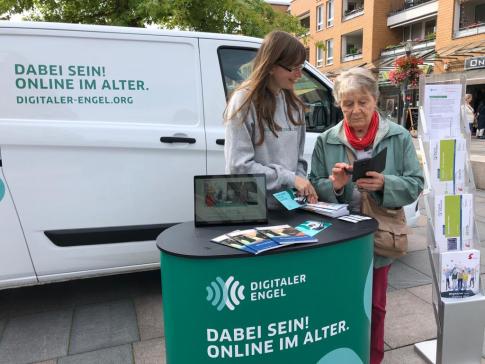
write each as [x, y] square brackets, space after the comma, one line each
[406, 71]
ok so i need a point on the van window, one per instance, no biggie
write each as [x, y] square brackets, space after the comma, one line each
[235, 66]
[320, 111]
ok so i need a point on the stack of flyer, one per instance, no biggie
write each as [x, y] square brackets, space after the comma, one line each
[453, 229]
[262, 239]
[447, 161]
[327, 208]
[460, 271]
[291, 201]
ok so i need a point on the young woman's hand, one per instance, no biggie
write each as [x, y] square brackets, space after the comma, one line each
[305, 188]
[373, 182]
[339, 176]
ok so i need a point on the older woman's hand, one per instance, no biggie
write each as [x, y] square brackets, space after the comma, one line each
[373, 182]
[339, 176]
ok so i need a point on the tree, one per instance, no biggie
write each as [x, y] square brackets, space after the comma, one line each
[248, 17]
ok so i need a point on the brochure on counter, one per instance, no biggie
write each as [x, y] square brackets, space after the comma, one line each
[291, 201]
[354, 218]
[312, 228]
[266, 238]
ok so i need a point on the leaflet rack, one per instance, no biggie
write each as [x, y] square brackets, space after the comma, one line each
[460, 321]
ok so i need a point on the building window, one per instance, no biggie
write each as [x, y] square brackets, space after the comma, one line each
[469, 18]
[420, 31]
[307, 54]
[319, 56]
[319, 17]
[305, 21]
[352, 45]
[329, 13]
[329, 51]
[352, 8]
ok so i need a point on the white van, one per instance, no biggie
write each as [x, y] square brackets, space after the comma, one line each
[101, 131]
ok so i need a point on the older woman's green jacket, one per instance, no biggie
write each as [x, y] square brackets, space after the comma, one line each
[403, 177]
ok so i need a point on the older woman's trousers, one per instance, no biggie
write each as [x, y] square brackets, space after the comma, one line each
[379, 289]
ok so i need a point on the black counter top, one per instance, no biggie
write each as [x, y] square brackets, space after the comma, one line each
[186, 240]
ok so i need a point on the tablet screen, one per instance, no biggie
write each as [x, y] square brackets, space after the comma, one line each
[230, 199]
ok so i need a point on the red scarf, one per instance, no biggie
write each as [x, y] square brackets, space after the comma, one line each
[368, 139]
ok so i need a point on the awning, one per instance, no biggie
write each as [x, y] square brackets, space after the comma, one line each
[457, 52]
[473, 77]
[333, 74]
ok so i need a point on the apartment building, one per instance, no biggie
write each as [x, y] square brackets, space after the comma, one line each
[447, 34]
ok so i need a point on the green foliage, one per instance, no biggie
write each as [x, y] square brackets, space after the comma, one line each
[248, 17]
[320, 44]
[430, 36]
[11, 7]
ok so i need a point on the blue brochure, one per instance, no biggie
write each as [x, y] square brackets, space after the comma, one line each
[287, 199]
[312, 228]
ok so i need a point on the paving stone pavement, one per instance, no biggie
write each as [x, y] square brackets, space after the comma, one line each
[118, 319]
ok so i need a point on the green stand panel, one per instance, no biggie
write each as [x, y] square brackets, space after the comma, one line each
[301, 306]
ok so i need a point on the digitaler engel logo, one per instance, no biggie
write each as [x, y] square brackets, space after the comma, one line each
[228, 293]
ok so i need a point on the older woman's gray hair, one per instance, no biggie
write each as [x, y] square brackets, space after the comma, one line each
[356, 79]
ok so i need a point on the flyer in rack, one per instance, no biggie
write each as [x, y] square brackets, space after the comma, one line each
[460, 271]
[442, 106]
[454, 215]
[447, 162]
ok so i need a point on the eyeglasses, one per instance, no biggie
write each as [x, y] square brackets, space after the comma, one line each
[292, 69]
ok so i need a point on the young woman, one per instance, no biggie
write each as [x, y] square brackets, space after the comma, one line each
[265, 124]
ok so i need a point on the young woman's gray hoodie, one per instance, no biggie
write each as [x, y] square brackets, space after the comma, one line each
[279, 158]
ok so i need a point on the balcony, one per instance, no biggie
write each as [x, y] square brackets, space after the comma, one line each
[471, 29]
[469, 18]
[352, 56]
[411, 12]
[398, 49]
[352, 46]
[352, 9]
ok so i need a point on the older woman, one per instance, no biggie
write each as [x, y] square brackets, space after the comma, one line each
[363, 133]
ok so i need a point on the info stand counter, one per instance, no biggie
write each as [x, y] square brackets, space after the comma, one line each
[298, 304]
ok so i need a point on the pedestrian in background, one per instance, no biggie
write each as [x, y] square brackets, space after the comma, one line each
[469, 112]
[481, 120]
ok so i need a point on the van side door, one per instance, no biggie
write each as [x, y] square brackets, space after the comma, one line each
[101, 134]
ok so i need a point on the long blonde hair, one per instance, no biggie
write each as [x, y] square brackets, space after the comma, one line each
[278, 48]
